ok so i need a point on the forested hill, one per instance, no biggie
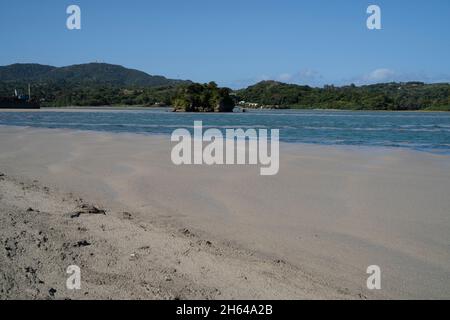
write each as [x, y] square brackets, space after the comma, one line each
[82, 74]
[93, 84]
[384, 96]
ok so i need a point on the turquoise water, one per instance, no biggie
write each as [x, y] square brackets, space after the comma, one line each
[427, 131]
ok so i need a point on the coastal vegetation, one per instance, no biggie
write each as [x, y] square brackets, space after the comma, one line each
[384, 96]
[203, 98]
[99, 84]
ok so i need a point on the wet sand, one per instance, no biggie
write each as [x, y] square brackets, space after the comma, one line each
[223, 231]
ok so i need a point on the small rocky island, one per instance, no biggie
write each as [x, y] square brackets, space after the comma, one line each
[203, 98]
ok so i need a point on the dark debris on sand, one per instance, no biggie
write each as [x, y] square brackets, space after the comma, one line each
[82, 243]
[87, 209]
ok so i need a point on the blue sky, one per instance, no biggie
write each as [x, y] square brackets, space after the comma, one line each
[237, 43]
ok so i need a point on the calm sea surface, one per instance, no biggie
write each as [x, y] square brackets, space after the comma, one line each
[427, 131]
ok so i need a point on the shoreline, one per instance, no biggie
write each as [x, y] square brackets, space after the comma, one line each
[139, 107]
[284, 144]
[329, 214]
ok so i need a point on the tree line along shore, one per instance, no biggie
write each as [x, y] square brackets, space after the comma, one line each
[110, 85]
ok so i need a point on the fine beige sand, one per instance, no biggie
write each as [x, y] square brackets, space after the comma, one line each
[218, 232]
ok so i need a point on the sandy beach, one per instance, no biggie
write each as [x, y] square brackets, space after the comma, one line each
[221, 232]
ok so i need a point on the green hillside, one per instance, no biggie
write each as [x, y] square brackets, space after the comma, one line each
[384, 96]
[91, 73]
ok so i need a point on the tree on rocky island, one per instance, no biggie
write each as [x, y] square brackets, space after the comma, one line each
[203, 98]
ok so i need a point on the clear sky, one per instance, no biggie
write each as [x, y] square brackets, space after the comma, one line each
[237, 42]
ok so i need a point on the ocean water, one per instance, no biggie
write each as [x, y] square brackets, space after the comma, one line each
[426, 131]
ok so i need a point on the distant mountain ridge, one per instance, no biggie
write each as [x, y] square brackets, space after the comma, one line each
[90, 73]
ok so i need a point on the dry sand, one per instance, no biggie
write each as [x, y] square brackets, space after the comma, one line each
[218, 232]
